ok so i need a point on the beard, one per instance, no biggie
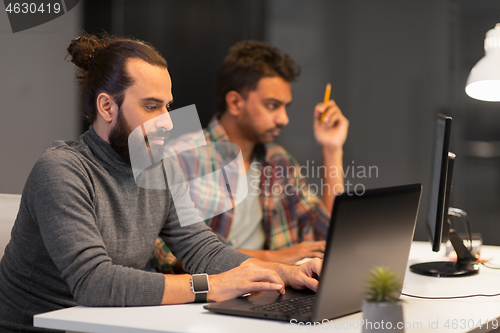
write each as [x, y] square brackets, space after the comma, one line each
[252, 133]
[118, 138]
[119, 135]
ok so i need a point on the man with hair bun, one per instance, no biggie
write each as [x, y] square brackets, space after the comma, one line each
[253, 91]
[85, 230]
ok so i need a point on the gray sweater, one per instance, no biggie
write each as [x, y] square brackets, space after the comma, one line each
[85, 231]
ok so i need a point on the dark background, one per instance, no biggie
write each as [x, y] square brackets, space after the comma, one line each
[193, 36]
[393, 66]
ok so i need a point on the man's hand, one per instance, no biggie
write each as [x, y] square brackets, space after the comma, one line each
[298, 277]
[304, 276]
[297, 252]
[252, 275]
[243, 279]
[332, 132]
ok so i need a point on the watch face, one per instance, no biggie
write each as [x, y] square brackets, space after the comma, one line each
[200, 282]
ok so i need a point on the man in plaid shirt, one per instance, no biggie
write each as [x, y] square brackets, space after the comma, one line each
[279, 220]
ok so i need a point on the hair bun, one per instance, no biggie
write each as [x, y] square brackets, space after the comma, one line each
[84, 49]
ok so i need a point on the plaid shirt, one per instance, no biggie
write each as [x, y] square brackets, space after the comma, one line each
[290, 213]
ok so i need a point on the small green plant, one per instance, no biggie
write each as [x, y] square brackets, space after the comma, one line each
[383, 286]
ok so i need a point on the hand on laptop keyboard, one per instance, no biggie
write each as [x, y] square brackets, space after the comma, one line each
[250, 276]
[305, 275]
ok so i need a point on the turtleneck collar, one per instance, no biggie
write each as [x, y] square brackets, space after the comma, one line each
[104, 152]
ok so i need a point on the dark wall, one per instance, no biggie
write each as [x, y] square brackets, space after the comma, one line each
[393, 66]
[476, 128]
[389, 63]
[38, 94]
[193, 36]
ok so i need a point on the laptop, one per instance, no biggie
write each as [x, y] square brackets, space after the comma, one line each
[372, 229]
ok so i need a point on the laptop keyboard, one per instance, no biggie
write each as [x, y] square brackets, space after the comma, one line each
[291, 306]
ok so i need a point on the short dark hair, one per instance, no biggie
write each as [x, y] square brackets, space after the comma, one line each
[102, 61]
[247, 62]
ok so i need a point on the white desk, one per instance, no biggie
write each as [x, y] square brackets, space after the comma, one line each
[420, 315]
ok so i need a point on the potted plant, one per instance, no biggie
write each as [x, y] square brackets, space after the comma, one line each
[382, 308]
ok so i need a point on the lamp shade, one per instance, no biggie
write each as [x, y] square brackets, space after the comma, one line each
[484, 78]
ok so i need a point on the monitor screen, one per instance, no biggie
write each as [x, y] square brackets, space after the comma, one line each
[436, 215]
[437, 210]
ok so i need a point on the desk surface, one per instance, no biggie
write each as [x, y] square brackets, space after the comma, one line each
[458, 315]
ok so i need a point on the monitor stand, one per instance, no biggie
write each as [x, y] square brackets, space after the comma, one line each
[465, 265]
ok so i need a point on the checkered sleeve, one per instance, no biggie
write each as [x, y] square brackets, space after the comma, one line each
[312, 215]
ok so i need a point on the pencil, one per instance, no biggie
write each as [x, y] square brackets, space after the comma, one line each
[328, 90]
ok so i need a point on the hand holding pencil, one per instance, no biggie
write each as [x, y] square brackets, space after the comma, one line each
[330, 125]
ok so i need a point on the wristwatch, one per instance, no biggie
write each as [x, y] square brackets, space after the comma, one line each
[200, 287]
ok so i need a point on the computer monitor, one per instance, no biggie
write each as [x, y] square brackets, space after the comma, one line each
[438, 223]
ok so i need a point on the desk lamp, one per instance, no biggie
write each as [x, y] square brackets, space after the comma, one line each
[484, 79]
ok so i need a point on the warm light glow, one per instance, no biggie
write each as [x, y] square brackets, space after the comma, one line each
[488, 90]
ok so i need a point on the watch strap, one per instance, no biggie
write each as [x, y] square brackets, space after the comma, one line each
[200, 297]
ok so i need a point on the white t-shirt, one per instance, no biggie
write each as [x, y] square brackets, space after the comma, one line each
[247, 230]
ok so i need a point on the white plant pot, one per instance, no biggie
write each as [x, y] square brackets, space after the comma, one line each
[383, 317]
